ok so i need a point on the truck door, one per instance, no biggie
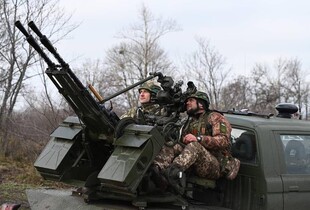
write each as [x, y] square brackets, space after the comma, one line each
[295, 151]
[243, 192]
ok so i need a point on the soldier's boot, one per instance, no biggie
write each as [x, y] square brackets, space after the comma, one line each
[158, 178]
[176, 178]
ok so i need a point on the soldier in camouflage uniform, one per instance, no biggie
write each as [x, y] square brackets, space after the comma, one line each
[147, 96]
[206, 139]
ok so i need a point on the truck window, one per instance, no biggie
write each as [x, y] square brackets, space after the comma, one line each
[244, 145]
[297, 153]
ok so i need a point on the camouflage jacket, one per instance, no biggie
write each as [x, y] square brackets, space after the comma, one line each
[149, 109]
[215, 131]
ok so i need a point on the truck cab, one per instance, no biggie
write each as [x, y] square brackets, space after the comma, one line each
[275, 168]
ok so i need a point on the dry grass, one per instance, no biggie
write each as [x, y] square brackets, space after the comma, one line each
[16, 177]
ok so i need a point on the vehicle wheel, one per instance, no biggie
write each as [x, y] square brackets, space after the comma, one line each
[122, 124]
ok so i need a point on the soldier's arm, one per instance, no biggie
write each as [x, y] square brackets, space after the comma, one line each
[221, 130]
[131, 113]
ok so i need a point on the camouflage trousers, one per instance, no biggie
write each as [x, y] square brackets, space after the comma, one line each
[193, 156]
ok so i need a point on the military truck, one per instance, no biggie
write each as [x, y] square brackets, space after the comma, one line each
[274, 154]
[108, 159]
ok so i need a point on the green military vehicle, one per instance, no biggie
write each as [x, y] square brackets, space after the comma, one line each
[275, 170]
[108, 159]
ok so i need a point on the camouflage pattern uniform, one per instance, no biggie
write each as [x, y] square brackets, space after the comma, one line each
[152, 109]
[205, 158]
[149, 108]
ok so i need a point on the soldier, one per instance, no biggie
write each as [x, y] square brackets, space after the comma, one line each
[206, 139]
[147, 101]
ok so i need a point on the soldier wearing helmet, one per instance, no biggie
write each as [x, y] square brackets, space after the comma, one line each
[206, 140]
[147, 102]
[147, 92]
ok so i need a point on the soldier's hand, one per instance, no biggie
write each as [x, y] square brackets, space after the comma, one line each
[189, 138]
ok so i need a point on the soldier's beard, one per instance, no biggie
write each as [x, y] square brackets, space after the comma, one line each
[192, 112]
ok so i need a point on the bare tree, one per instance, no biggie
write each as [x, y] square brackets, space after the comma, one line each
[91, 72]
[287, 85]
[264, 90]
[207, 66]
[280, 66]
[306, 101]
[294, 85]
[236, 94]
[138, 54]
[16, 56]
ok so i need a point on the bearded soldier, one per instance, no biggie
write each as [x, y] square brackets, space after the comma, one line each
[205, 146]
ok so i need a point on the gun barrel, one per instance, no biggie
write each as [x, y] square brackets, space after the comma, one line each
[46, 42]
[19, 25]
[33, 43]
[152, 75]
[98, 119]
[35, 29]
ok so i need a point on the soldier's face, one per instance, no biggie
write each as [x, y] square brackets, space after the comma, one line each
[144, 96]
[192, 107]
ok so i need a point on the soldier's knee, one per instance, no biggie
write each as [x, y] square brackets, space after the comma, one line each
[195, 146]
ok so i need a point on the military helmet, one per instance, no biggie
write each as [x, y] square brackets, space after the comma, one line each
[151, 87]
[199, 95]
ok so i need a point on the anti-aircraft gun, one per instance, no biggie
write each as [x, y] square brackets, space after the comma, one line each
[70, 155]
[96, 149]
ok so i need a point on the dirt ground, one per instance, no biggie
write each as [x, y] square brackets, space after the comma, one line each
[16, 177]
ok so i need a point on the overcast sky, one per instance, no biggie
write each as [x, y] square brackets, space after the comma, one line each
[245, 32]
